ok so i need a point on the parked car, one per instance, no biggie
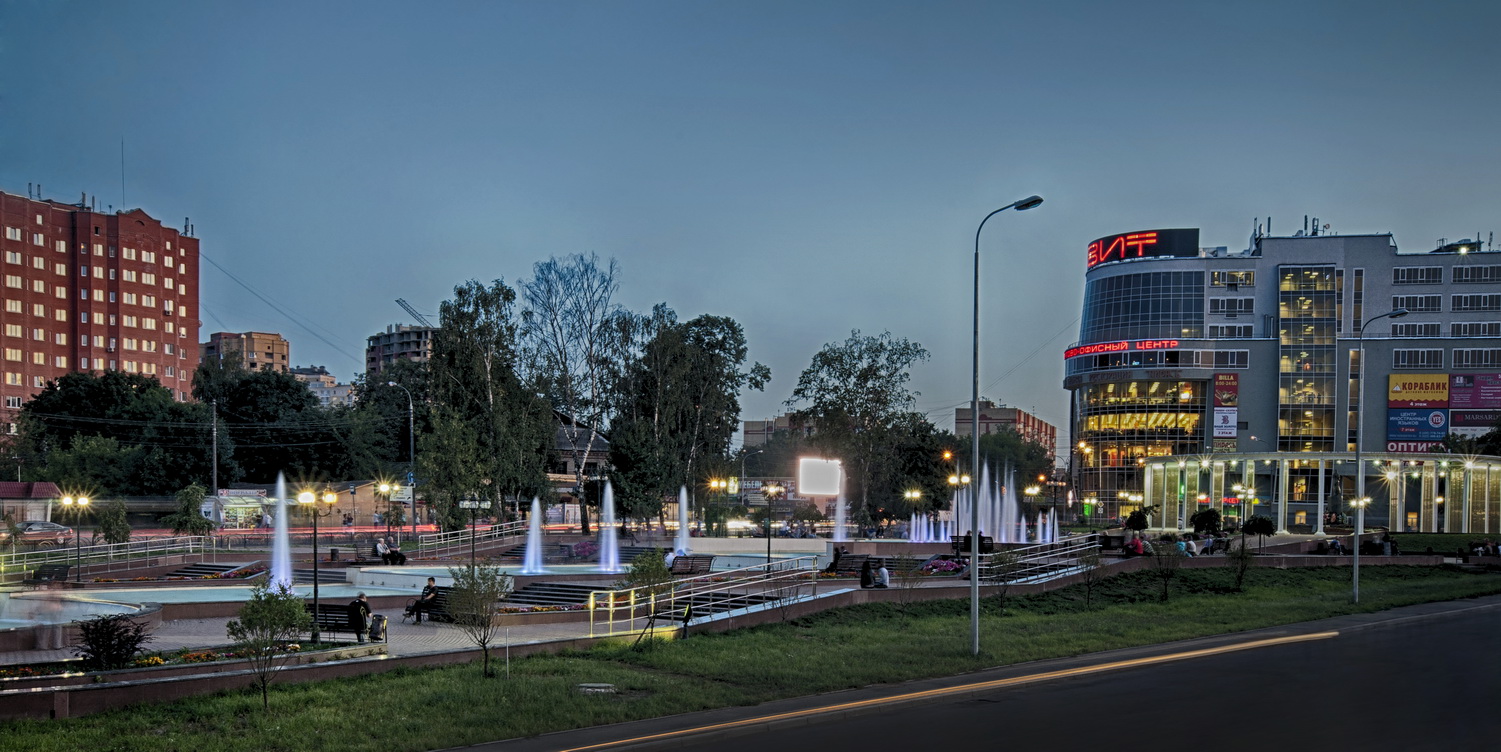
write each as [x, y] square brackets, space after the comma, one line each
[40, 534]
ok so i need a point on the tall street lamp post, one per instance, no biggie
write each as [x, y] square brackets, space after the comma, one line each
[311, 499]
[1030, 202]
[1360, 412]
[772, 492]
[77, 506]
[411, 453]
[1360, 505]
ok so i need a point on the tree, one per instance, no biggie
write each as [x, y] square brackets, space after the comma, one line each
[270, 619]
[1091, 573]
[1001, 569]
[1240, 559]
[1165, 561]
[1136, 520]
[1206, 520]
[1260, 526]
[187, 519]
[855, 395]
[570, 327]
[112, 524]
[474, 602]
[486, 424]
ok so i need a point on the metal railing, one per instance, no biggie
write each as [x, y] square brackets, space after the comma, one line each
[613, 612]
[103, 558]
[457, 541]
[1037, 562]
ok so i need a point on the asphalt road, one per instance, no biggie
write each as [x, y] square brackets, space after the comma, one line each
[1414, 679]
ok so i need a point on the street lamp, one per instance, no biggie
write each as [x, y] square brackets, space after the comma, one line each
[389, 489]
[1030, 202]
[77, 506]
[411, 453]
[312, 499]
[1360, 505]
[1361, 408]
[772, 492]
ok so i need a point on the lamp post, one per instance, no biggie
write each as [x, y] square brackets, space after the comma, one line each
[772, 492]
[411, 453]
[1030, 202]
[77, 506]
[388, 489]
[1360, 436]
[312, 499]
[1360, 505]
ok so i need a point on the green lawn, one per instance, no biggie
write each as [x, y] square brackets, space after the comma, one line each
[850, 647]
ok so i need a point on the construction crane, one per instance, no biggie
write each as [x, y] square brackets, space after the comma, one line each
[409, 309]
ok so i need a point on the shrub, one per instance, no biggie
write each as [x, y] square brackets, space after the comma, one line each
[110, 641]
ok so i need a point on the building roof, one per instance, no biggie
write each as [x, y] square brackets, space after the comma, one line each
[40, 490]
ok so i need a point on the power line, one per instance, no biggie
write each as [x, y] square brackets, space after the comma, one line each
[290, 316]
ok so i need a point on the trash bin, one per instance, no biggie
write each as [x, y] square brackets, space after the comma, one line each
[333, 554]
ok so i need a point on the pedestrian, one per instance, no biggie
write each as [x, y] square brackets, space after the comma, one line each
[359, 616]
[867, 575]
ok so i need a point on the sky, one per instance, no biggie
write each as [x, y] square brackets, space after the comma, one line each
[807, 168]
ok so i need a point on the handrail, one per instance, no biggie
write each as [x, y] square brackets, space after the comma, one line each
[1037, 560]
[614, 612]
[103, 557]
[436, 542]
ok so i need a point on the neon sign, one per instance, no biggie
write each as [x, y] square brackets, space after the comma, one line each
[1144, 244]
[1121, 346]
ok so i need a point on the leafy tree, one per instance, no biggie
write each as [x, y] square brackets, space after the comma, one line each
[1260, 526]
[1165, 561]
[187, 519]
[486, 424]
[1136, 520]
[97, 463]
[271, 618]
[385, 408]
[110, 641]
[649, 571]
[112, 524]
[855, 395]
[1206, 520]
[1006, 448]
[571, 331]
[474, 602]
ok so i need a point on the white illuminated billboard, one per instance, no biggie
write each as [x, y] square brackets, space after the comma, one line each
[816, 477]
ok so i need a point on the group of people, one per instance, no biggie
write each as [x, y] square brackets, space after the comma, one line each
[874, 577]
[1187, 545]
[389, 553]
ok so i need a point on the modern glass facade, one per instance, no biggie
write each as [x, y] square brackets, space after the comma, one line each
[1151, 305]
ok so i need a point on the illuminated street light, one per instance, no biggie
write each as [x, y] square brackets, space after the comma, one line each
[77, 506]
[312, 499]
[1360, 505]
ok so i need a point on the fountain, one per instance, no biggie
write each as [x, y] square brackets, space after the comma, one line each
[609, 543]
[839, 533]
[532, 564]
[281, 547]
[682, 543]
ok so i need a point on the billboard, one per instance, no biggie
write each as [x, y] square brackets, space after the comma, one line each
[1475, 391]
[1417, 390]
[1417, 424]
[1226, 404]
[1179, 243]
[820, 477]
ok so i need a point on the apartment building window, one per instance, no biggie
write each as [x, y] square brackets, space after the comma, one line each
[130, 298]
[131, 321]
[14, 403]
[37, 309]
[13, 257]
[14, 330]
[131, 343]
[1232, 359]
[1477, 274]
[60, 292]
[130, 254]
[130, 275]
[148, 300]
[1232, 279]
[147, 278]
[1477, 358]
[13, 354]
[171, 371]
[1417, 275]
[60, 246]
[1417, 330]
[1232, 306]
[168, 327]
[83, 364]
[112, 274]
[13, 281]
[12, 233]
[1476, 302]
[148, 323]
[39, 382]
[37, 239]
[1409, 359]
[148, 346]
[1475, 329]
[60, 338]
[39, 286]
[61, 314]
[1419, 303]
[167, 347]
[98, 296]
[60, 270]
[39, 335]
[98, 249]
[12, 379]
[39, 358]
[12, 306]
[99, 272]
[148, 257]
[61, 361]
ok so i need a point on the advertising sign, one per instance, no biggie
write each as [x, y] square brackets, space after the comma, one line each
[1179, 243]
[1475, 391]
[1226, 390]
[1417, 390]
[1411, 447]
[1417, 424]
[1486, 419]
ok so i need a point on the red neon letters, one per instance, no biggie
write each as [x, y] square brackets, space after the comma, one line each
[1130, 245]
[1109, 347]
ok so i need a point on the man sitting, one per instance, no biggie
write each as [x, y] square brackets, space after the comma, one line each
[425, 601]
[389, 554]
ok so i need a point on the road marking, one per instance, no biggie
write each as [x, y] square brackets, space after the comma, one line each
[966, 688]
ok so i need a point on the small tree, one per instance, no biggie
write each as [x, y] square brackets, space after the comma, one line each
[1165, 562]
[1205, 520]
[1239, 559]
[474, 602]
[187, 520]
[1260, 526]
[112, 524]
[1091, 573]
[272, 617]
[12, 529]
[1002, 569]
[649, 571]
[110, 641]
[908, 576]
[1136, 521]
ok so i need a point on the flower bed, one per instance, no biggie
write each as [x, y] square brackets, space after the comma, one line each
[173, 663]
[234, 574]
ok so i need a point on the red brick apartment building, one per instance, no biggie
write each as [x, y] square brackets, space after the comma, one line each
[89, 291]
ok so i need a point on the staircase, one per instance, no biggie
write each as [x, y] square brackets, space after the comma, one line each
[204, 570]
[326, 576]
[552, 594]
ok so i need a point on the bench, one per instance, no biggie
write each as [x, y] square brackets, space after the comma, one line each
[692, 564]
[962, 544]
[49, 573]
[439, 609]
[333, 617]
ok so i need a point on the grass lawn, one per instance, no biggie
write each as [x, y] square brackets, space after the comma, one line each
[850, 647]
[1441, 543]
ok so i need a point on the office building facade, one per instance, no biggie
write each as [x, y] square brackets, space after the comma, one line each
[91, 291]
[1193, 362]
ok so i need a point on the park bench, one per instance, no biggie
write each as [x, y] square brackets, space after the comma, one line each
[962, 544]
[49, 573]
[851, 564]
[333, 617]
[439, 609]
[692, 564]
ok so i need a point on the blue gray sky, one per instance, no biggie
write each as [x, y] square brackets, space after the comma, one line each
[807, 168]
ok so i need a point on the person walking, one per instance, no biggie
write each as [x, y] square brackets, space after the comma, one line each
[359, 616]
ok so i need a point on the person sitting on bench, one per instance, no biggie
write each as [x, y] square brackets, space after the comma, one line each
[426, 601]
[389, 554]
